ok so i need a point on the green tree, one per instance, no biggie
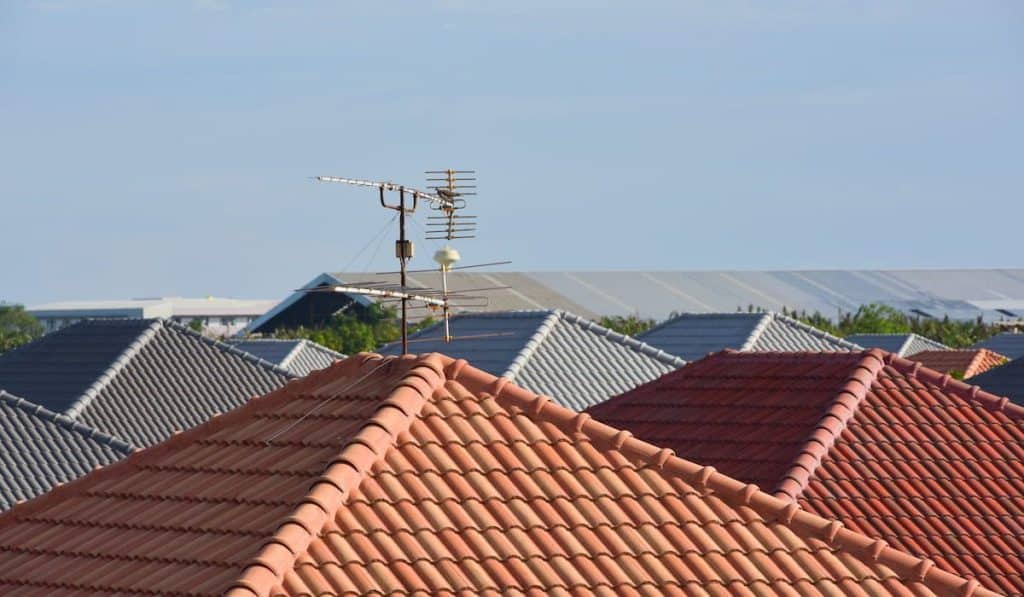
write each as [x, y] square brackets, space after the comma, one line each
[17, 327]
[883, 319]
[631, 325]
[354, 330]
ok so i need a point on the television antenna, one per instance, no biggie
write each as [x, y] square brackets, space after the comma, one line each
[448, 197]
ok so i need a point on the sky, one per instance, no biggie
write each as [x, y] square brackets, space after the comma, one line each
[166, 148]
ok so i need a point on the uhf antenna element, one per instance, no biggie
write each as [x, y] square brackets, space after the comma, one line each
[447, 198]
[453, 186]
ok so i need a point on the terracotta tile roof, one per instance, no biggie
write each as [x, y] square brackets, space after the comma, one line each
[400, 475]
[894, 450]
[967, 363]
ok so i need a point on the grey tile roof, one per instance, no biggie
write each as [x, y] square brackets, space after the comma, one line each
[902, 345]
[694, 335]
[1004, 380]
[140, 380]
[40, 448]
[300, 357]
[1010, 344]
[574, 361]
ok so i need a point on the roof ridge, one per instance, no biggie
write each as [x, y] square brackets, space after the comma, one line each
[227, 348]
[906, 343]
[623, 339]
[678, 316]
[962, 390]
[831, 425]
[296, 349]
[345, 472]
[757, 332]
[817, 332]
[530, 347]
[140, 457]
[114, 369]
[66, 422]
[706, 479]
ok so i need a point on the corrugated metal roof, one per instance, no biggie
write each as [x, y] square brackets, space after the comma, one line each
[300, 357]
[40, 448]
[576, 362]
[694, 335]
[140, 380]
[903, 345]
[959, 293]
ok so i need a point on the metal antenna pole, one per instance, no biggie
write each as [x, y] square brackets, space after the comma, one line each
[402, 259]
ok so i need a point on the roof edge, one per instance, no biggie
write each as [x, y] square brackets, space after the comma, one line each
[707, 480]
[345, 472]
[623, 339]
[66, 422]
[810, 329]
[536, 339]
[756, 333]
[830, 426]
[229, 349]
[140, 457]
[114, 369]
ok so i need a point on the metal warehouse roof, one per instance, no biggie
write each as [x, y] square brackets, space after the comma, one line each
[958, 293]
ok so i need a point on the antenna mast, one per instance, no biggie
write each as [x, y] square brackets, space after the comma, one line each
[447, 198]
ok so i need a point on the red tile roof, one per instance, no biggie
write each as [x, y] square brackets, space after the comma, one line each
[967, 363]
[426, 474]
[894, 450]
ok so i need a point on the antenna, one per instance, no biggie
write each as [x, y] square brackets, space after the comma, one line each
[447, 198]
[451, 185]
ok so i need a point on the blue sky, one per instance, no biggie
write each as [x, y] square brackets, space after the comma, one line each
[163, 148]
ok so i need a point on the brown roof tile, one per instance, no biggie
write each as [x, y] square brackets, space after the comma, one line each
[891, 448]
[967, 363]
[426, 474]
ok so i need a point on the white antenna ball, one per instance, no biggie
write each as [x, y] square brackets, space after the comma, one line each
[447, 257]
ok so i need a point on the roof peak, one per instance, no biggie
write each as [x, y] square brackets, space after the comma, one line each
[414, 382]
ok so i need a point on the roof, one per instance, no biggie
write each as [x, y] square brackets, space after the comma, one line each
[1004, 380]
[694, 335]
[967, 363]
[137, 379]
[962, 294]
[576, 362]
[1010, 344]
[930, 464]
[903, 345]
[40, 448]
[300, 357]
[172, 306]
[430, 476]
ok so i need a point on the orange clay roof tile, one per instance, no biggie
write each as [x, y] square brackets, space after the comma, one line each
[426, 474]
[967, 363]
[891, 448]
